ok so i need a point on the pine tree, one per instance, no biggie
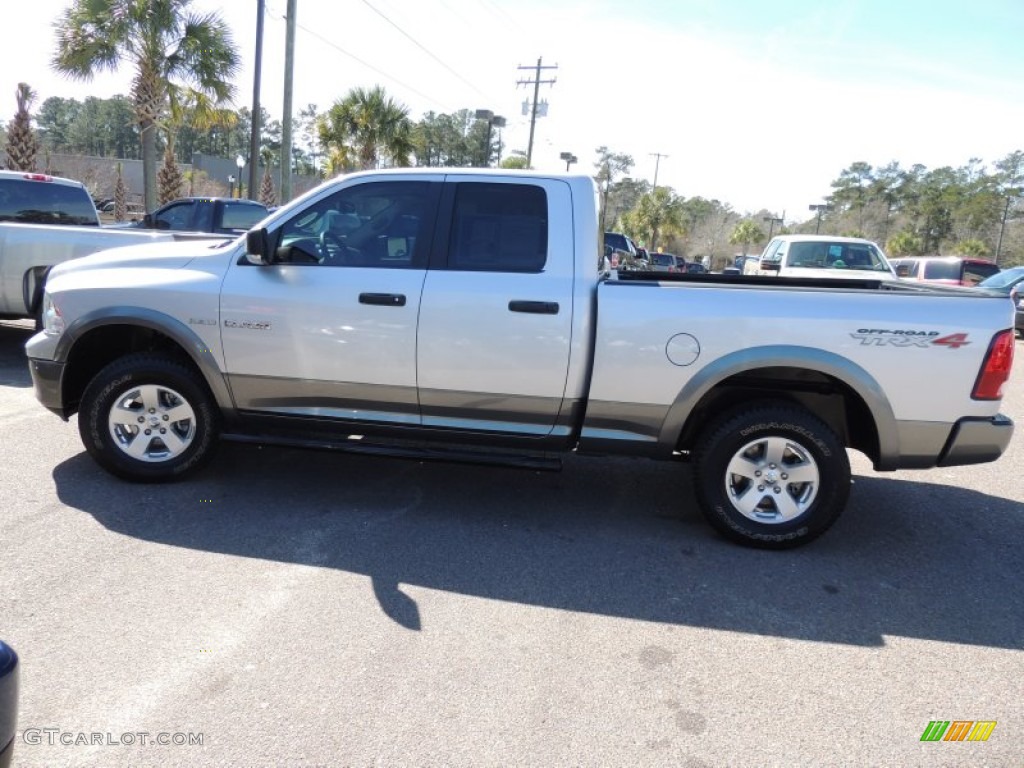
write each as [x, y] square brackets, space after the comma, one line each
[267, 194]
[170, 178]
[22, 144]
[120, 197]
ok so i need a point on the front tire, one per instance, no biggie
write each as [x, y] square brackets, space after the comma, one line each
[148, 418]
[771, 475]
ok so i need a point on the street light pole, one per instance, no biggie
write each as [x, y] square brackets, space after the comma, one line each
[772, 221]
[240, 162]
[819, 207]
[569, 158]
[493, 121]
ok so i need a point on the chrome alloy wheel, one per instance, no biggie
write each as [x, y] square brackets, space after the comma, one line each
[152, 423]
[772, 480]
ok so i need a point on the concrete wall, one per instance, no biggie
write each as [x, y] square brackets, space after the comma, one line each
[99, 174]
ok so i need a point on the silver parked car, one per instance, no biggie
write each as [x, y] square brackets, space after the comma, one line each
[664, 262]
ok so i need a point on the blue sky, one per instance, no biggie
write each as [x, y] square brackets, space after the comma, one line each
[757, 104]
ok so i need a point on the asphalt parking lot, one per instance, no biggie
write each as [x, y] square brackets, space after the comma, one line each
[294, 608]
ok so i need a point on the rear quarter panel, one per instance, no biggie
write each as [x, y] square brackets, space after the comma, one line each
[859, 335]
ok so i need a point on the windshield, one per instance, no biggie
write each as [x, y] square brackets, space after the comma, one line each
[663, 259]
[833, 255]
[942, 270]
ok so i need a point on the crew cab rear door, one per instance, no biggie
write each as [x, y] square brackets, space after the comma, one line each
[496, 314]
[330, 332]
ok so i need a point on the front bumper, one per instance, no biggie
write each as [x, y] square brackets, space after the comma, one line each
[977, 440]
[47, 378]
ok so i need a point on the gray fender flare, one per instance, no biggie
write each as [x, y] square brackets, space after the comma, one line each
[163, 323]
[808, 358]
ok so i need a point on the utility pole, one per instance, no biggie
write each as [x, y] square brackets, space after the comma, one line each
[1010, 197]
[536, 83]
[254, 140]
[286, 121]
[657, 162]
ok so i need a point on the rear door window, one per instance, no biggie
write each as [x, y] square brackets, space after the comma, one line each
[241, 215]
[499, 228]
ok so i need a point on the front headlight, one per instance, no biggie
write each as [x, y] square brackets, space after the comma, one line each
[53, 323]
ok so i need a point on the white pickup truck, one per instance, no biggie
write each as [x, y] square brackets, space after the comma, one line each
[460, 314]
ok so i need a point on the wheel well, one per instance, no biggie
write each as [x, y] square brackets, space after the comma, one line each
[102, 346]
[830, 399]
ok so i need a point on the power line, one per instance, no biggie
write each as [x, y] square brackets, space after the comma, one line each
[496, 10]
[355, 58]
[423, 48]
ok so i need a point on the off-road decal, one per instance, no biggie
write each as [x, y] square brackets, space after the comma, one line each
[882, 337]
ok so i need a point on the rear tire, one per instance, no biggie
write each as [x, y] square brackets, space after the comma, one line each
[149, 418]
[771, 475]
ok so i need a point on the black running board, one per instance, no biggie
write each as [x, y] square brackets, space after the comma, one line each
[542, 463]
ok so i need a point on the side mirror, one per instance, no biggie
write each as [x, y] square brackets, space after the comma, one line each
[770, 265]
[147, 221]
[902, 270]
[257, 247]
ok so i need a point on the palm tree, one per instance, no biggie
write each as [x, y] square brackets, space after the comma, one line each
[359, 127]
[22, 144]
[657, 212]
[179, 57]
[904, 244]
[972, 247]
[746, 232]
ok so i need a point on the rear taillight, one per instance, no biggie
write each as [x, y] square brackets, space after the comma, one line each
[38, 177]
[995, 369]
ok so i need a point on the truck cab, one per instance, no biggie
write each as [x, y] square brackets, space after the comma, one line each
[823, 256]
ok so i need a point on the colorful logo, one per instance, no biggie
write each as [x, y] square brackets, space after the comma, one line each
[958, 730]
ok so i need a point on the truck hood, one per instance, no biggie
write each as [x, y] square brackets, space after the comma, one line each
[169, 255]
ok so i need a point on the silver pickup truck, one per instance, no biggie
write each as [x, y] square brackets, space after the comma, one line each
[460, 314]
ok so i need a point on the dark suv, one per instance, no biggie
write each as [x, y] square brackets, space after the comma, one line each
[620, 250]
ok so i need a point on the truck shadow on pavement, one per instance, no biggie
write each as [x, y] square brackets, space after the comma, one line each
[614, 537]
[13, 363]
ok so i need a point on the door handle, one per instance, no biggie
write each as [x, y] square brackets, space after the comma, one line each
[383, 299]
[534, 307]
